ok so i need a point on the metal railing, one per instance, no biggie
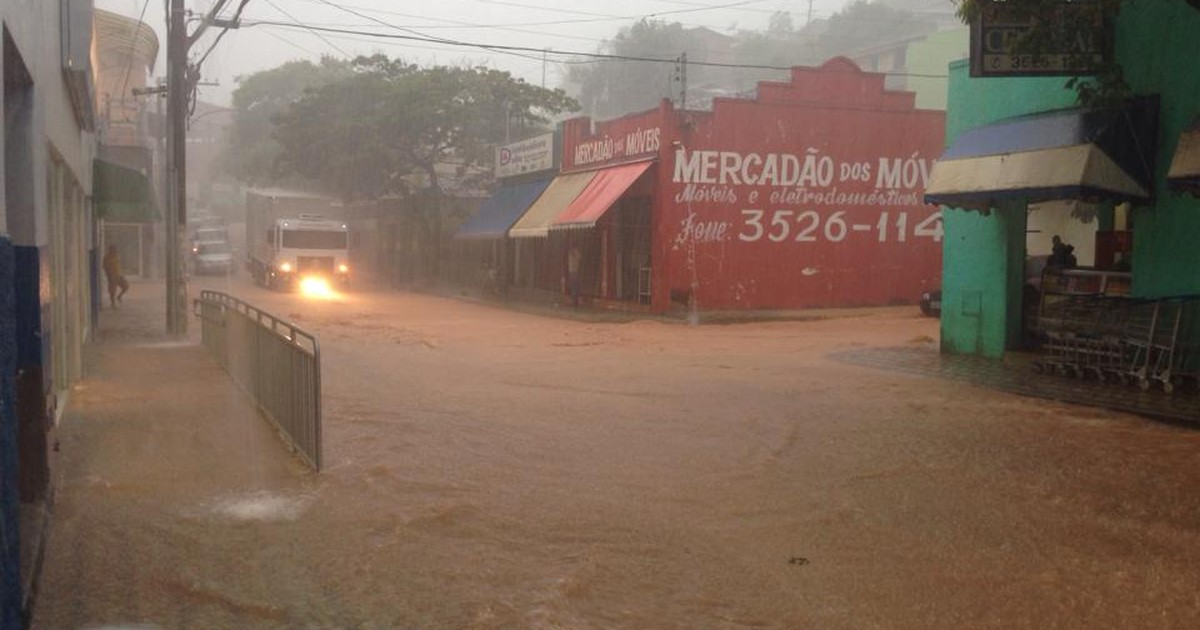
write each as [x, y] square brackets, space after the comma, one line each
[276, 363]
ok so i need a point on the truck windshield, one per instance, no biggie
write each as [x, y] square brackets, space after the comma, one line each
[211, 236]
[314, 239]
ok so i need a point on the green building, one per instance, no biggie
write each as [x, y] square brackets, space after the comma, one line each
[1020, 151]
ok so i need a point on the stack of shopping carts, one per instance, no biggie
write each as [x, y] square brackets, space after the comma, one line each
[1118, 339]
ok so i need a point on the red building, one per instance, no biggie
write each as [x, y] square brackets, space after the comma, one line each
[809, 195]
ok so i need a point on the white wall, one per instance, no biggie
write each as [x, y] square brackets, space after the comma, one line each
[34, 26]
[1054, 217]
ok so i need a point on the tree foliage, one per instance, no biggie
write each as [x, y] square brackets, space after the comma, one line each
[362, 136]
[609, 88]
[862, 24]
[389, 128]
[613, 88]
[258, 99]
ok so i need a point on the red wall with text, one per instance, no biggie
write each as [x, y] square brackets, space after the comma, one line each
[809, 195]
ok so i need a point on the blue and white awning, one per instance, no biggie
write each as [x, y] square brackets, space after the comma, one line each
[1067, 154]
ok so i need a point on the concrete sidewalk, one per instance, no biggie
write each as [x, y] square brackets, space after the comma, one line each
[154, 434]
[1015, 374]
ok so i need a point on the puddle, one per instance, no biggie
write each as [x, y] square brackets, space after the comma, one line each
[259, 507]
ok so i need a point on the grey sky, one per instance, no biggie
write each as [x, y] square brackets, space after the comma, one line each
[579, 25]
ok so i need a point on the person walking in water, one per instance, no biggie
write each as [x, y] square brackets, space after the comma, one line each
[116, 280]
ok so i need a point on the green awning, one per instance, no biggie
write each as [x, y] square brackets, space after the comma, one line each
[121, 194]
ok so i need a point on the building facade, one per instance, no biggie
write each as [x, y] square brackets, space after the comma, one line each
[46, 155]
[126, 50]
[809, 195]
[1127, 179]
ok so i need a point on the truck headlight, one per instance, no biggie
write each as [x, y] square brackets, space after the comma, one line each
[285, 267]
[343, 268]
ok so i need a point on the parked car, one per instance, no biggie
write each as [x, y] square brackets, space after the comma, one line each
[211, 253]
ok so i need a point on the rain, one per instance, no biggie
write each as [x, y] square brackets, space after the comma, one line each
[661, 314]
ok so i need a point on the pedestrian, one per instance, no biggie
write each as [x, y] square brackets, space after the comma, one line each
[117, 284]
[573, 281]
[1061, 254]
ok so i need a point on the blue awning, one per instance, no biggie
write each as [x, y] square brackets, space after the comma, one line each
[502, 210]
[1067, 154]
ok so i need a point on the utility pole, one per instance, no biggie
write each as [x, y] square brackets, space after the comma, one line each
[683, 81]
[178, 91]
[180, 82]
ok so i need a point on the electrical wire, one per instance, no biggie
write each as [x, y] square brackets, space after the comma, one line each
[447, 23]
[132, 45]
[311, 30]
[593, 57]
[420, 34]
[593, 17]
[514, 27]
[236, 15]
[292, 44]
[648, 15]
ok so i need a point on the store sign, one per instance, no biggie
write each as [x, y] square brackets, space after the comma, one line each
[527, 156]
[625, 139]
[1009, 38]
[609, 148]
[802, 198]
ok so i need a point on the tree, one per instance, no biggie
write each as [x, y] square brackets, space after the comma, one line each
[863, 24]
[780, 24]
[610, 88]
[259, 98]
[392, 129]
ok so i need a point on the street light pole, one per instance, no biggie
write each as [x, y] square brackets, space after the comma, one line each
[178, 91]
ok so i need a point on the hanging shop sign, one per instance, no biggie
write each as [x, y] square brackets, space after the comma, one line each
[527, 156]
[1047, 38]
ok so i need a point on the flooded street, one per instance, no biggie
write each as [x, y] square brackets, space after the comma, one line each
[494, 469]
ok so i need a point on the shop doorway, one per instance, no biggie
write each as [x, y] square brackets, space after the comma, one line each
[131, 246]
[634, 237]
[1096, 241]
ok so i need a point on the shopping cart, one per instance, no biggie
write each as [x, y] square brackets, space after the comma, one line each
[1080, 336]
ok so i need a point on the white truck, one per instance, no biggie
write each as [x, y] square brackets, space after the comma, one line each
[293, 236]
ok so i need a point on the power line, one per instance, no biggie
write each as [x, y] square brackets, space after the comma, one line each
[592, 17]
[418, 33]
[311, 30]
[292, 44]
[608, 16]
[698, 4]
[593, 56]
[356, 10]
[236, 15]
[132, 45]
[447, 23]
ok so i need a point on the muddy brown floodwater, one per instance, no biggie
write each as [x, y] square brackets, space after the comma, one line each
[493, 469]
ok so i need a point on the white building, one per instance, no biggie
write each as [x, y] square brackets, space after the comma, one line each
[46, 235]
